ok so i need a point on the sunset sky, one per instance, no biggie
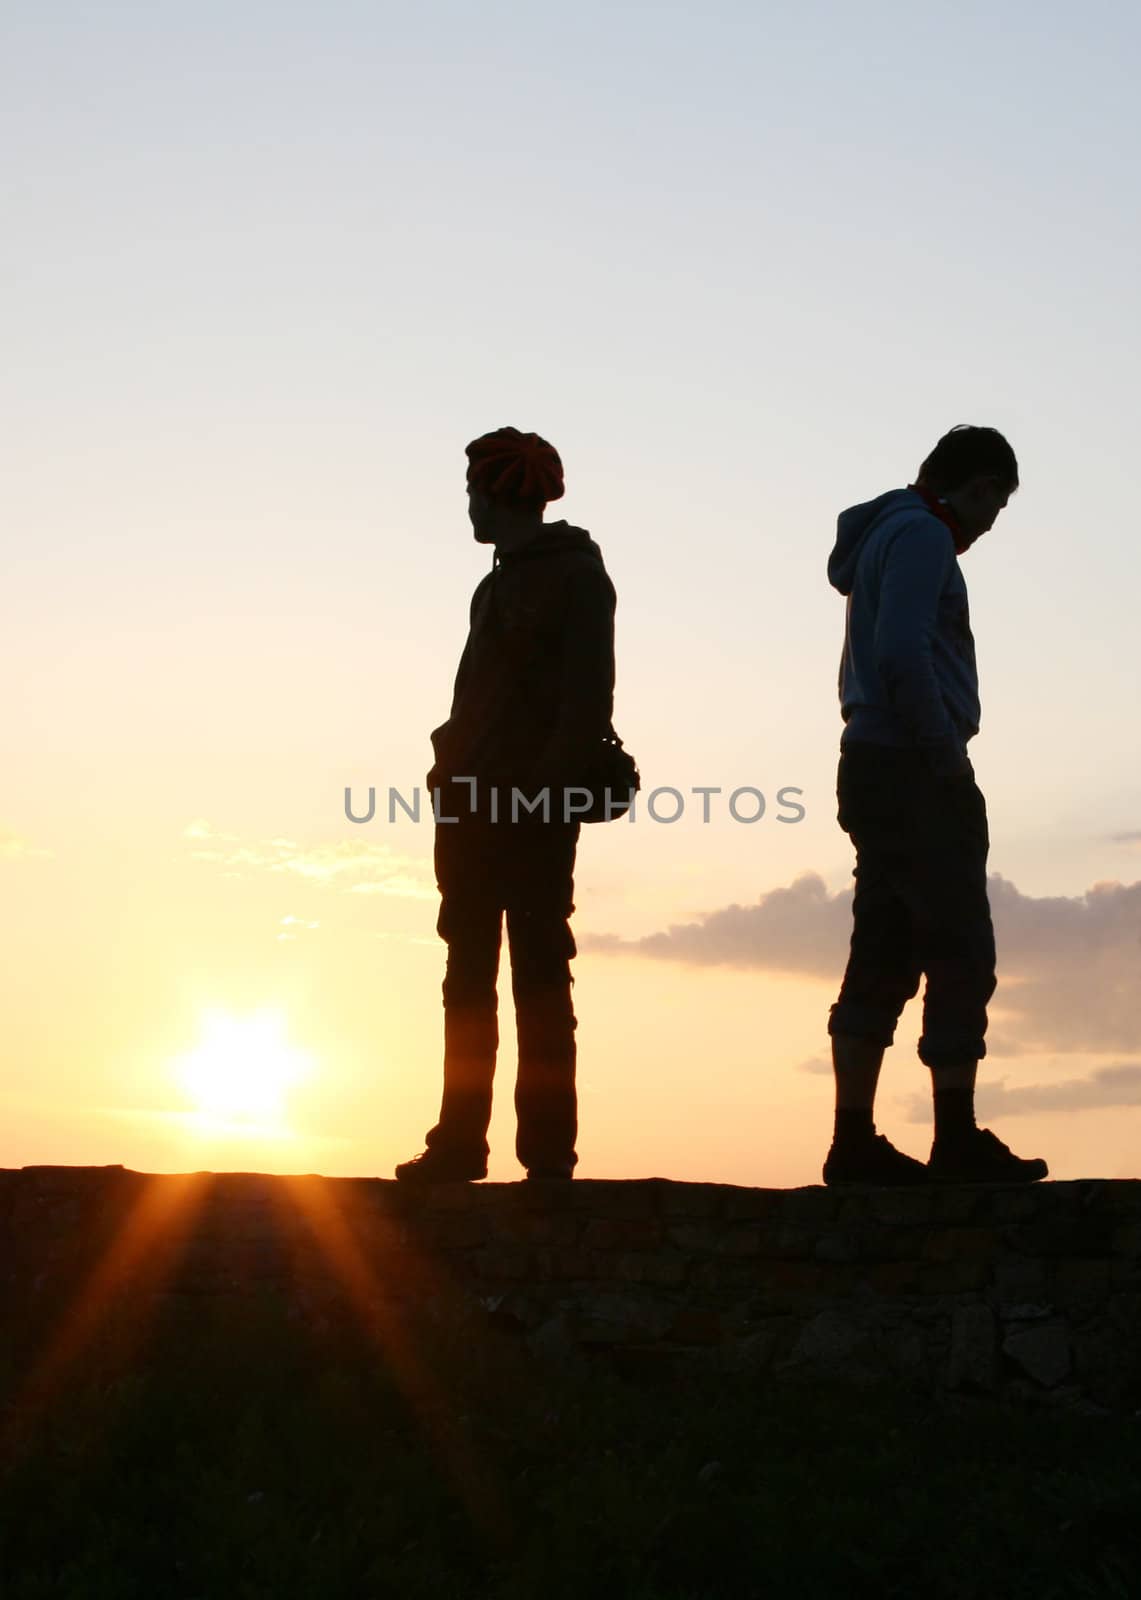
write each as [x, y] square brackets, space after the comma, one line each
[267, 269]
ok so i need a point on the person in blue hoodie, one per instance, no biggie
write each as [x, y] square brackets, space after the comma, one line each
[908, 799]
[531, 705]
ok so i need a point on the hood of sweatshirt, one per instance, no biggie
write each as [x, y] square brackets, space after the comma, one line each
[555, 538]
[853, 527]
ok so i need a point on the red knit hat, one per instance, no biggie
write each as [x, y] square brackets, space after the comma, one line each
[520, 468]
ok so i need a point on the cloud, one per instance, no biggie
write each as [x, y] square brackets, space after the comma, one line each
[397, 883]
[201, 829]
[1133, 837]
[818, 1066]
[15, 848]
[1001, 1044]
[798, 929]
[1107, 1087]
[356, 866]
[1069, 966]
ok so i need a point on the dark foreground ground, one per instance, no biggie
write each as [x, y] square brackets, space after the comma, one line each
[234, 1451]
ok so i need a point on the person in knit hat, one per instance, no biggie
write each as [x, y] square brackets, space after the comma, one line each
[514, 468]
[532, 701]
[908, 799]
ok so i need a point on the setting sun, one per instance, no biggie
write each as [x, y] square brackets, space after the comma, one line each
[242, 1068]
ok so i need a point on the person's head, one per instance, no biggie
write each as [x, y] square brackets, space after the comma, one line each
[974, 470]
[511, 477]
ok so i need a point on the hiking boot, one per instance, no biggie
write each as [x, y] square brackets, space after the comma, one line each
[874, 1160]
[442, 1166]
[561, 1172]
[981, 1157]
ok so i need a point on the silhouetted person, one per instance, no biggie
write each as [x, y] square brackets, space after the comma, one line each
[532, 703]
[907, 797]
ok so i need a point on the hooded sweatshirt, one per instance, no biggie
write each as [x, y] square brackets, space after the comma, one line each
[907, 673]
[534, 690]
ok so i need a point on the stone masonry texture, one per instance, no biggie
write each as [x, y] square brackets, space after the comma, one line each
[1030, 1293]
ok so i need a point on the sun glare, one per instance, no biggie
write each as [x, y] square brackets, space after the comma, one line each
[242, 1069]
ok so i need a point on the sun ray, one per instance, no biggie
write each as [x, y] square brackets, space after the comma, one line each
[381, 1322]
[142, 1254]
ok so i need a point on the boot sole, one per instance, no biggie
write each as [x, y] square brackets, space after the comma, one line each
[423, 1181]
[979, 1180]
[876, 1183]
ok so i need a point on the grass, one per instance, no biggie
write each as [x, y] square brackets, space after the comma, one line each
[238, 1454]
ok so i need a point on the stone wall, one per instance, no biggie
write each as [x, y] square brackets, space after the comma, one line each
[1032, 1292]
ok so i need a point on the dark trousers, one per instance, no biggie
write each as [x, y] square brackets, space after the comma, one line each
[524, 871]
[920, 904]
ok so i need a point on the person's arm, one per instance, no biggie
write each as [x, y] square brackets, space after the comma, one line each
[442, 737]
[586, 677]
[916, 569]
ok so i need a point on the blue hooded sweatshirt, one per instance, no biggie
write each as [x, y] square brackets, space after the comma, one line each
[907, 674]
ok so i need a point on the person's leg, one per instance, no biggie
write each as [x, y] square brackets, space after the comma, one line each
[858, 1153]
[956, 937]
[539, 906]
[947, 892]
[856, 1066]
[856, 1069]
[469, 922]
[471, 1039]
[882, 972]
[953, 1086]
